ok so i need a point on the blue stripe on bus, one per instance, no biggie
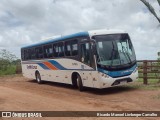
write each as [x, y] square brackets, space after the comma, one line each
[60, 67]
[57, 65]
[43, 66]
[119, 73]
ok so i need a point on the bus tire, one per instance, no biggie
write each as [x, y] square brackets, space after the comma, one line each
[74, 79]
[38, 78]
[79, 83]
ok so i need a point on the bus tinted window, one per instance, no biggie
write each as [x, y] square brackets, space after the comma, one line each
[25, 54]
[48, 51]
[32, 53]
[74, 45]
[68, 48]
[55, 49]
[85, 53]
[39, 52]
[58, 50]
[22, 54]
[28, 54]
[71, 48]
[61, 50]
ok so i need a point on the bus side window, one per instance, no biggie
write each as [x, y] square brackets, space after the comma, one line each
[61, 50]
[71, 48]
[55, 49]
[74, 45]
[68, 48]
[25, 55]
[32, 53]
[29, 54]
[48, 51]
[85, 53]
[39, 52]
[22, 54]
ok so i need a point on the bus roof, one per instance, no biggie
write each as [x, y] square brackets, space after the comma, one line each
[80, 34]
[105, 31]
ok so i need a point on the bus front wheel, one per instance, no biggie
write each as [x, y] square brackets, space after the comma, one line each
[79, 83]
[38, 78]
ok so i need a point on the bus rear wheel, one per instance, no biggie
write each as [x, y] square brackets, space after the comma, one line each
[38, 78]
[79, 83]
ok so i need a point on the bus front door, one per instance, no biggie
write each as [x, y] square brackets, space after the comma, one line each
[85, 57]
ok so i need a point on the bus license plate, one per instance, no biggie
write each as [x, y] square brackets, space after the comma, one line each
[123, 82]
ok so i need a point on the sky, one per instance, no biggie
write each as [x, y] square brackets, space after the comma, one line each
[24, 22]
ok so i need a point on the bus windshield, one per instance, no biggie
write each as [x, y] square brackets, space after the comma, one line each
[114, 50]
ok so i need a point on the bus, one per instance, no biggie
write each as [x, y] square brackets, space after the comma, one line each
[97, 59]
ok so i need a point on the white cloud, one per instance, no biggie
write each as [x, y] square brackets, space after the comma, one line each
[25, 22]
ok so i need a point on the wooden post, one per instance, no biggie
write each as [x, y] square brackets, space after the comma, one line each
[145, 81]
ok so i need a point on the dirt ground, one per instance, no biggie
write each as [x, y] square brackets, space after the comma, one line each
[21, 94]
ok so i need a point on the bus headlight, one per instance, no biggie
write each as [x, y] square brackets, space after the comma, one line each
[104, 75]
[136, 69]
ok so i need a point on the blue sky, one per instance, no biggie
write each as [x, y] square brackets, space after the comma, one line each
[26, 22]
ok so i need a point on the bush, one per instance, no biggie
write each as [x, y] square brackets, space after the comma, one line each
[9, 70]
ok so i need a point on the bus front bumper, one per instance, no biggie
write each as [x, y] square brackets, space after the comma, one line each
[111, 82]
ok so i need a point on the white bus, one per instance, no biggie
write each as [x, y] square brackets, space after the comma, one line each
[97, 59]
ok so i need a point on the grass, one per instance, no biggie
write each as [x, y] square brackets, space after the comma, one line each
[153, 84]
[9, 70]
[150, 81]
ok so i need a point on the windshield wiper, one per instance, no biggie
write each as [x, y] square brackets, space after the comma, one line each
[113, 50]
[126, 54]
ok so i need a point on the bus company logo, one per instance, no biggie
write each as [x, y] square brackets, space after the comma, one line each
[31, 67]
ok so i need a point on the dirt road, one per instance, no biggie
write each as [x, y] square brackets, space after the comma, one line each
[18, 93]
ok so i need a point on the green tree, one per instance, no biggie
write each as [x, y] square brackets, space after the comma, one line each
[151, 8]
[6, 59]
[6, 55]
